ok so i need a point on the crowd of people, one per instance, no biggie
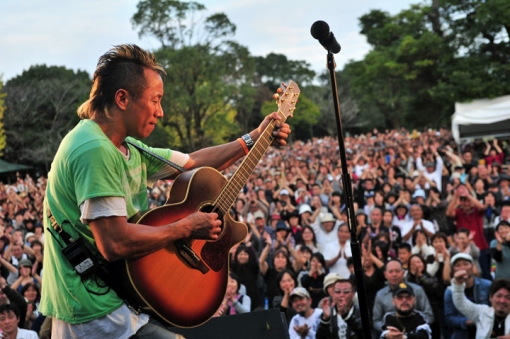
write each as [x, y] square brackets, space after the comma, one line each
[433, 220]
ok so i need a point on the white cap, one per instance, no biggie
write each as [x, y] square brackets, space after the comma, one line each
[304, 208]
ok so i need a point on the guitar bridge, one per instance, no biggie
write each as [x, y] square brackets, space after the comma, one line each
[189, 256]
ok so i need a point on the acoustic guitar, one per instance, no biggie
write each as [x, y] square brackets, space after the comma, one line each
[185, 282]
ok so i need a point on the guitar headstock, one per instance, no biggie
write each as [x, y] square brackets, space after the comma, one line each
[287, 98]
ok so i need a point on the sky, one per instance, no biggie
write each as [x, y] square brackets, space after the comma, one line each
[75, 33]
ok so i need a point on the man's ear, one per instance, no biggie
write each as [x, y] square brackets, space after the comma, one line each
[122, 98]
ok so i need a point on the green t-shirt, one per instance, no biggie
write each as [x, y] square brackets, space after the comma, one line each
[88, 165]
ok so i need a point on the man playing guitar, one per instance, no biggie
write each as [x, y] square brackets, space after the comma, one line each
[98, 181]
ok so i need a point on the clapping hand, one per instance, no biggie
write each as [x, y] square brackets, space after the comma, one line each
[394, 333]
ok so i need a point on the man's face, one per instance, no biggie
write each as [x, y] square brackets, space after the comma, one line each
[462, 239]
[394, 273]
[404, 303]
[328, 225]
[387, 218]
[260, 223]
[376, 216]
[343, 293]
[142, 113]
[8, 322]
[501, 302]
[503, 231]
[416, 212]
[17, 251]
[462, 264]
[403, 255]
[316, 190]
[301, 304]
[468, 157]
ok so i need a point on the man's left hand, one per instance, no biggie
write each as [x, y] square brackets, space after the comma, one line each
[302, 330]
[281, 131]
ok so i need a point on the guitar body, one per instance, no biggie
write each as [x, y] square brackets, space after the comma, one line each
[178, 293]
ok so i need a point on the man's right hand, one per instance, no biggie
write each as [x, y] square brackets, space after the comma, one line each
[460, 277]
[325, 305]
[205, 226]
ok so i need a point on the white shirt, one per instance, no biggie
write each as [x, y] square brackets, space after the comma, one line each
[408, 226]
[340, 266]
[311, 321]
[324, 238]
[26, 334]
[437, 175]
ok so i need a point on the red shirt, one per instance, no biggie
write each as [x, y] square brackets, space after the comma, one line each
[473, 221]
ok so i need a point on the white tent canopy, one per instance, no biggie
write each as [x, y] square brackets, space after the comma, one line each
[481, 118]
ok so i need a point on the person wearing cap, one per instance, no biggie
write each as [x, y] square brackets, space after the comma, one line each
[340, 315]
[468, 213]
[325, 228]
[25, 275]
[500, 250]
[417, 223]
[394, 274]
[490, 321]
[433, 171]
[304, 324]
[284, 202]
[329, 283]
[405, 322]
[259, 229]
[305, 213]
[476, 289]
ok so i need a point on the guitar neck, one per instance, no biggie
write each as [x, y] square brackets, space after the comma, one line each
[231, 190]
[286, 106]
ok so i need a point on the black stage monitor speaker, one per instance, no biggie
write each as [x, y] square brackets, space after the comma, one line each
[270, 324]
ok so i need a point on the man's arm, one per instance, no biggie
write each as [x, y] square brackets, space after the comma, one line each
[116, 238]
[463, 304]
[222, 156]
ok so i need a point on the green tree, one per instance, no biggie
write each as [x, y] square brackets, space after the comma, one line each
[206, 87]
[427, 57]
[273, 69]
[2, 112]
[41, 108]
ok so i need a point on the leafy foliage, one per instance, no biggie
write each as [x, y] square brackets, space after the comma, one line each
[41, 108]
[427, 57]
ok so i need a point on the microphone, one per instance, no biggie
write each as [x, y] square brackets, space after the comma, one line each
[320, 31]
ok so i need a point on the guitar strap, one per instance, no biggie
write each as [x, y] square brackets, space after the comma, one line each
[160, 158]
[108, 272]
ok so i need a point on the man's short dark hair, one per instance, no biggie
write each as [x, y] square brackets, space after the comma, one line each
[5, 308]
[406, 246]
[499, 284]
[463, 230]
[393, 260]
[121, 67]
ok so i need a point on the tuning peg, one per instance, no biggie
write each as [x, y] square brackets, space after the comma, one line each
[279, 90]
[276, 96]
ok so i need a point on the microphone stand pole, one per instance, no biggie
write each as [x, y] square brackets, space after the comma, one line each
[349, 202]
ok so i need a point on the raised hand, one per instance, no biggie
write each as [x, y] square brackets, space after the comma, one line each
[460, 277]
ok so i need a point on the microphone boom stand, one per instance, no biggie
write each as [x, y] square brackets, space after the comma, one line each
[348, 197]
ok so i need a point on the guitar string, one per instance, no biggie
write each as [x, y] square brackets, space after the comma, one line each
[228, 195]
